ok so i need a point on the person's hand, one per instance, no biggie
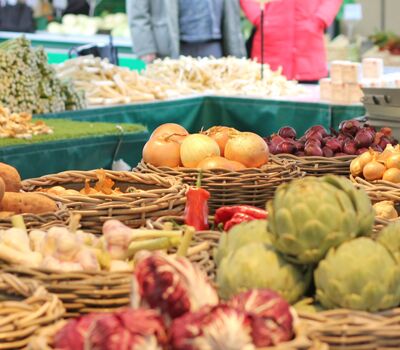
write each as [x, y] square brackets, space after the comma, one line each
[148, 58]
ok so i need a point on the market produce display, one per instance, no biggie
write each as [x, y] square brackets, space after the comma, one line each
[224, 76]
[373, 165]
[29, 84]
[62, 249]
[20, 125]
[107, 84]
[116, 24]
[219, 147]
[385, 210]
[352, 138]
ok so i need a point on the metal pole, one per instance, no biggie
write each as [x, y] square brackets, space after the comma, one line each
[262, 42]
[383, 15]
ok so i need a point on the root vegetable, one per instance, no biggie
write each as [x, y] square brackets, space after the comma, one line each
[287, 132]
[33, 203]
[221, 135]
[220, 163]
[373, 170]
[392, 175]
[162, 151]
[393, 161]
[385, 210]
[248, 149]
[197, 147]
[175, 131]
[11, 177]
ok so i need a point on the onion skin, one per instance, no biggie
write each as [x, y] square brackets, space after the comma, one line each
[287, 132]
[313, 151]
[221, 135]
[361, 151]
[350, 147]
[286, 147]
[220, 163]
[373, 171]
[248, 149]
[393, 161]
[197, 147]
[162, 151]
[169, 129]
[364, 138]
[392, 175]
[327, 152]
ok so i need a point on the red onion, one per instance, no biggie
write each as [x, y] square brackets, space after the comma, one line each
[174, 286]
[327, 152]
[387, 131]
[313, 150]
[287, 132]
[350, 127]
[286, 147]
[273, 148]
[377, 148]
[317, 128]
[300, 154]
[340, 154]
[384, 142]
[313, 142]
[364, 138]
[350, 147]
[334, 144]
[313, 134]
[276, 139]
[299, 145]
[361, 151]
[272, 321]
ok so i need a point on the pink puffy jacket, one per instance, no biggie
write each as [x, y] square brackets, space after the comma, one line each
[293, 35]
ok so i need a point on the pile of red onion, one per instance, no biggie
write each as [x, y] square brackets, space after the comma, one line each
[353, 138]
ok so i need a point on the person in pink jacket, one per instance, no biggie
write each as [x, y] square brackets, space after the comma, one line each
[293, 35]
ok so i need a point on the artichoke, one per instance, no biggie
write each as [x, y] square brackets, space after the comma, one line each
[359, 275]
[258, 265]
[309, 216]
[240, 235]
[389, 237]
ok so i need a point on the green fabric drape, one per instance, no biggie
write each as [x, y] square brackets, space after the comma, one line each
[74, 154]
[258, 115]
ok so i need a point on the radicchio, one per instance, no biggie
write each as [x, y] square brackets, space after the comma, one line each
[128, 329]
[271, 317]
[174, 286]
[212, 328]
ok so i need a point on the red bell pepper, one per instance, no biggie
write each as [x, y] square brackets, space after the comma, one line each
[234, 215]
[196, 209]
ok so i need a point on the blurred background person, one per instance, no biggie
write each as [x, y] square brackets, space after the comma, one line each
[293, 35]
[197, 28]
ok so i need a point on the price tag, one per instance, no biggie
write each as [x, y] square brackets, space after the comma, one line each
[352, 12]
[60, 4]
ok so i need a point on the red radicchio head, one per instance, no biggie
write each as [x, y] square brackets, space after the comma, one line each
[174, 286]
[72, 335]
[128, 329]
[272, 321]
[212, 328]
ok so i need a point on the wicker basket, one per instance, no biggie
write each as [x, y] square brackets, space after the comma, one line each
[355, 330]
[320, 166]
[25, 307]
[154, 196]
[379, 190]
[84, 292]
[249, 186]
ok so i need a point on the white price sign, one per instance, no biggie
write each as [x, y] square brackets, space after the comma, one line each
[352, 12]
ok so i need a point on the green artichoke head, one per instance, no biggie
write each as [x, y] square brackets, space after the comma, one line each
[309, 216]
[389, 237]
[359, 275]
[258, 265]
[240, 235]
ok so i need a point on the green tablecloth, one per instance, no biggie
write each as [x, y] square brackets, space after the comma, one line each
[74, 154]
[261, 116]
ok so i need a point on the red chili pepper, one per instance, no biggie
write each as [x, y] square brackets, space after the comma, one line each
[237, 219]
[224, 214]
[196, 209]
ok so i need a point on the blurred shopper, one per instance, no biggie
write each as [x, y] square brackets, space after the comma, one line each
[196, 28]
[293, 35]
[80, 7]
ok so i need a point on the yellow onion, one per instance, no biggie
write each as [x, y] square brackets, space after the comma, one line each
[357, 165]
[385, 210]
[393, 161]
[392, 175]
[197, 147]
[248, 149]
[388, 151]
[374, 170]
